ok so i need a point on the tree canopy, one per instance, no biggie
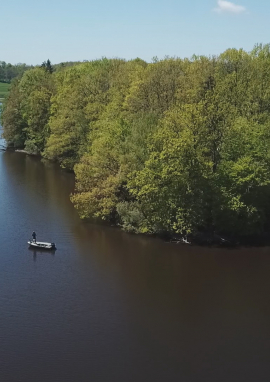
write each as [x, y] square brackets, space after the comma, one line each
[176, 145]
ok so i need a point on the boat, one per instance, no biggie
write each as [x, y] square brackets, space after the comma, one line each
[41, 245]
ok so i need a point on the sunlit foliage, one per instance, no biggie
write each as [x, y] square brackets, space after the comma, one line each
[175, 146]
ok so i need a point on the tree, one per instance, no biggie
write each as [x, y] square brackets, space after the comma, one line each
[12, 119]
[47, 66]
[37, 88]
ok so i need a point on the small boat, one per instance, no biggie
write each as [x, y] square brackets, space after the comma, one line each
[41, 245]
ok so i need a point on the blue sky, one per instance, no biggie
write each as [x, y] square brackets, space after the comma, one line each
[66, 30]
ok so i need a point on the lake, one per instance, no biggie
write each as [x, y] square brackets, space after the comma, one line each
[110, 306]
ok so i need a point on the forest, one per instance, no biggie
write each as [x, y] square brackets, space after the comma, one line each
[175, 146]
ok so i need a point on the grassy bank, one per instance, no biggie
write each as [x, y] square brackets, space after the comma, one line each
[4, 89]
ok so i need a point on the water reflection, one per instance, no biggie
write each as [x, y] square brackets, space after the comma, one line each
[110, 306]
[36, 253]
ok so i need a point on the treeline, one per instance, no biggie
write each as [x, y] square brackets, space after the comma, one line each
[177, 145]
[9, 71]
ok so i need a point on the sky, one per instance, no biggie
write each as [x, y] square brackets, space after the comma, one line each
[33, 31]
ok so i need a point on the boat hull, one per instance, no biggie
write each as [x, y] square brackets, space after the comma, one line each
[41, 245]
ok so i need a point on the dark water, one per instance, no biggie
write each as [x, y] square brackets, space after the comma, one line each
[109, 306]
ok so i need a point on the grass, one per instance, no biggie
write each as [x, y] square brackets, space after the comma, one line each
[4, 88]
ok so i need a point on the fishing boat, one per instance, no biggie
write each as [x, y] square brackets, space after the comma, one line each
[41, 245]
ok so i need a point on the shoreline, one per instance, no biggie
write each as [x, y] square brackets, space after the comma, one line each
[24, 152]
[201, 239]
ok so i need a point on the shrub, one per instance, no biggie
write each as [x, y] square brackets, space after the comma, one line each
[131, 216]
[31, 147]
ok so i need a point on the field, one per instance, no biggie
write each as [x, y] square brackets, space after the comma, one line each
[4, 88]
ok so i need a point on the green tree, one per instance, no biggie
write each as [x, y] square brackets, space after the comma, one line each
[37, 88]
[47, 66]
[11, 118]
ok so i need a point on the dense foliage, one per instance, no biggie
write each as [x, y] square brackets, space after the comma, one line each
[8, 72]
[176, 146]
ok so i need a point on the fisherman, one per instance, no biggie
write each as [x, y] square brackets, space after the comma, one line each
[34, 236]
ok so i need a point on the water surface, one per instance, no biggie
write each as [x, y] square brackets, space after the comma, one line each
[112, 307]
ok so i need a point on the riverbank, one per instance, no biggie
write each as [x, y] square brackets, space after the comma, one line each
[22, 151]
[27, 152]
[200, 238]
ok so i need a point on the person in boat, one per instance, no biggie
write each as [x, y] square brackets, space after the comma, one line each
[34, 236]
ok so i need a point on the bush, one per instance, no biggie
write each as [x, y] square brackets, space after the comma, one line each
[31, 147]
[131, 216]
